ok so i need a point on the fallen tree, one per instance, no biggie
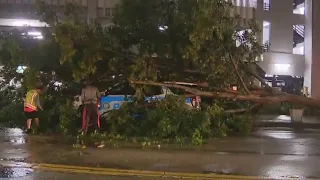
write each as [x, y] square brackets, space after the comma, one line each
[259, 97]
[184, 40]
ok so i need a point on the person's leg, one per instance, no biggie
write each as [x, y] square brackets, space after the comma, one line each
[94, 117]
[89, 118]
[29, 119]
[94, 120]
[29, 124]
[35, 117]
[37, 122]
[84, 120]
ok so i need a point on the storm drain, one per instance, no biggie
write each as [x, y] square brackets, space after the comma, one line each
[14, 172]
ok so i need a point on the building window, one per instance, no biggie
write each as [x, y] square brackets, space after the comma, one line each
[100, 12]
[266, 35]
[298, 7]
[298, 39]
[110, 12]
[266, 5]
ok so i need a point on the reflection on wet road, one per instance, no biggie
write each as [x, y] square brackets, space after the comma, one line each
[272, 153]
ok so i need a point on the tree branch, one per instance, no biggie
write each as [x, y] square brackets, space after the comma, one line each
[263, 82]
[252, 97]
[238, 74]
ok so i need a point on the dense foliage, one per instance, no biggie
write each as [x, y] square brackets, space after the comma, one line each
[163, 40]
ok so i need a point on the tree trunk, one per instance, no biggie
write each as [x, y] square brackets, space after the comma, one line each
[259, 97]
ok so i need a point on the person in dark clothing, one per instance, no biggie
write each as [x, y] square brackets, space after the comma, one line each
[90, 97]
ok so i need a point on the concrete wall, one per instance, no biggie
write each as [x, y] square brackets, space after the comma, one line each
[272, 60]
[312, 54]
[281, 19]
[308, 44]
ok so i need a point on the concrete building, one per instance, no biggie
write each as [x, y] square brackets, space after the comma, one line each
[289, 32]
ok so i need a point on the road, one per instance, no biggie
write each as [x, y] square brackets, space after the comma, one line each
[13, 165]
[276, 154]
[45, 175]
[64, 176]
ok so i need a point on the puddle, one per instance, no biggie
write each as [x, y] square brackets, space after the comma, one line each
[14, 159]
[14, 172]
[13, 135]
[16, 140]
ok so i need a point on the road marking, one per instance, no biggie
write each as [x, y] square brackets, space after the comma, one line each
[140, 173]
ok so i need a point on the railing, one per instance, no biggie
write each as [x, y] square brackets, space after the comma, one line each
[266, 6]
[299, 29]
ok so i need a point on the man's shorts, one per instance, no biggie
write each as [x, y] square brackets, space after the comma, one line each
[31, 115]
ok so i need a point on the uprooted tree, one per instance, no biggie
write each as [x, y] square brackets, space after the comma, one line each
[148, 42]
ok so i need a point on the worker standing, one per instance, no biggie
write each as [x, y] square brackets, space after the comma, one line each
[90, 97]
[31, 106]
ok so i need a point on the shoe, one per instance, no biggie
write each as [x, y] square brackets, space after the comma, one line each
[100, 146]
[29, 131]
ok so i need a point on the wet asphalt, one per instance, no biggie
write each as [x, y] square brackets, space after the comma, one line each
[269, 152]
[14, 154]
[43, 175]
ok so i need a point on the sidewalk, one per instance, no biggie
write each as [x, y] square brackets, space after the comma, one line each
[280, 154]
[312, 122]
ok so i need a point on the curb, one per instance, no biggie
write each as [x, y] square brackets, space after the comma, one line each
[286, 125]
[140, 173]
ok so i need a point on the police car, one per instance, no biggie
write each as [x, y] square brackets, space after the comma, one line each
[122, 92]
[115, 96]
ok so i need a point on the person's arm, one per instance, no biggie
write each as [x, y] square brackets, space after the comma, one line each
[98, 94]
[82, 96]
[38, 102]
